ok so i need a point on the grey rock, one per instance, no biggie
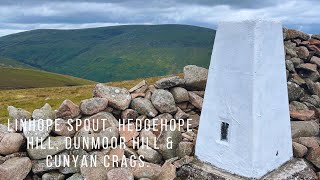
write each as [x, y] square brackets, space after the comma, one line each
[74, 165]
[302, 52]
[111, 133]
[129, 114]
[195, 77]
[45, 112]
[149, 154]
[163, 101]
[37, 130]
[181, 114]
[174, 136]
[290, 66]
[304, 129]
[102, 120]
[85, 135]
[169, 82]
[296, 61]
[119, 98]
[184, 149]
[15, 168]
[76, 176]
[68, 110]
[57, 144]
[148, 137]
[180, 94]
[294, 91]
[53, 176]
[93, 105]
[11, 143]
[40, 166]
[62, 128]
[120, 174]
[144, 106]
[17, 114]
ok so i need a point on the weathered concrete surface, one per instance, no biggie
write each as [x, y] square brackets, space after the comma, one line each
[294, 169]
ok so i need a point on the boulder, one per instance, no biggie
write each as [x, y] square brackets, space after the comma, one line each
[195, 77]
[294, 91]
[169, 82]
[108, 134]
[309, 142]
[314, 157]
[76, 176]
[11, 143]
[119, 98]
[196, 100]
[68, 110]
[129, 114]
[304, 129]
[299, 150]
[180, 94]
[184, 149]
[16, 168]
[170, 134]
[181, 114]
[148, 137]
[315, 60]
[53, 176]
[168, 172]
[144, 170]
[87, 135]
[37, 130]
[302, 52]
[45, 112]
[63, 128]
[120, 174]
[149, 154]
[51, 146]
[98, 172]
[144, 106]
[93, 105]
[163, 101]
[41, 166]
[17, 114]
[303, 115]
[308, 67]
[128, 132]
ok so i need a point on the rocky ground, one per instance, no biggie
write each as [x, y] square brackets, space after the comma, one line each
[168, 98]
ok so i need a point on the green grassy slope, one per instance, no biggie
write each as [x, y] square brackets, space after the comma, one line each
[112, 53]
[16, 78]
[10, 63]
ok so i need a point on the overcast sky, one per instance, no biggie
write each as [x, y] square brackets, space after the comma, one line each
[21, 15]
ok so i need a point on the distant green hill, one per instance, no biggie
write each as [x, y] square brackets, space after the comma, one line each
[16, 78]
[112, 53]
[5, 62]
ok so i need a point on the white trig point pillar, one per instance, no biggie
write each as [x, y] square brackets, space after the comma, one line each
[245, 124]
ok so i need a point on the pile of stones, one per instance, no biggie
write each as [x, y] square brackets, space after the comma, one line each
[303, 80]
[169, 98]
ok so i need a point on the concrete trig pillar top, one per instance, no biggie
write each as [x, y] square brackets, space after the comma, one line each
[245, 123]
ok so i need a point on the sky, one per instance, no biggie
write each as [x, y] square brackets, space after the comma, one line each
[22, 15]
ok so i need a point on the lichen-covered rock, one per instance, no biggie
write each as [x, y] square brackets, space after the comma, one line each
[144, 106]
[163, 101]
[129, 114]
[85, 135]
[175, 137]
[15, 168]
[294, 91]
[76, 176]
[37, 130]
[169, 82]
[180, 94]
[51, 146]
[119, 98]
[93, 105]
[16, 115]
[195, 77]
[10, 143]
[109, 134]
[45, 112]
[63, 128]
[68, 110]
[148, 137]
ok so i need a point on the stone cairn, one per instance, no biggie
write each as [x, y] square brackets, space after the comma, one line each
[169, 98]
